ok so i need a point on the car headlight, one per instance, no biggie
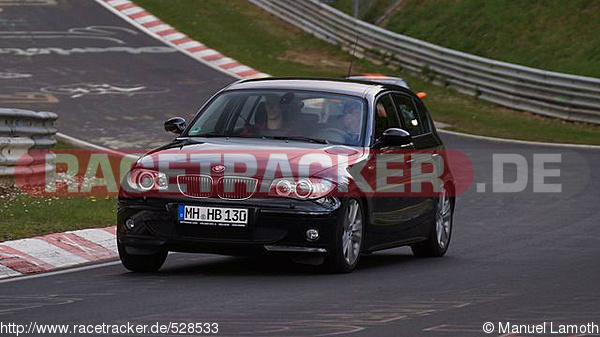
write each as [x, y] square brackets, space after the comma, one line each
[144, 180]
[301, 189]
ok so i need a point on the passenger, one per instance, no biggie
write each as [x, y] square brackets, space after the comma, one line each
[352, 121]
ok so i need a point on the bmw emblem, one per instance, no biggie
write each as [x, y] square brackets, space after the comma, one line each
[218, 168]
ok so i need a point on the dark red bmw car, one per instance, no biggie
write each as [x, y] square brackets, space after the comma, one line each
[286, 165]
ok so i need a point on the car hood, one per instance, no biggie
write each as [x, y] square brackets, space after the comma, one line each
[324, 160]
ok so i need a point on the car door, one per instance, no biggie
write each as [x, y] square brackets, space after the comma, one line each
[392, 212]
[419, 126]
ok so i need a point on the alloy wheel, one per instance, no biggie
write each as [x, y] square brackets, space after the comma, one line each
[352, 233]
[443, 219]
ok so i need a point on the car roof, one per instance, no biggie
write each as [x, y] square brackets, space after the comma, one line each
[339, 86]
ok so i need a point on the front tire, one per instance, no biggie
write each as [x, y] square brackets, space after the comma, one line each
[348, 239]
[441, 231]
[141, 263]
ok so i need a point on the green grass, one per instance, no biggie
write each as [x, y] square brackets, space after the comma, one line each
[555, 35]
[23, 215]
[260, 40]
[346, 6]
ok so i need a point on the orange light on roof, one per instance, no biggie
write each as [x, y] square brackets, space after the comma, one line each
[422, 95]
[374, 75]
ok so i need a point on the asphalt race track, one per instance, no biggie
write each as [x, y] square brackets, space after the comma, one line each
[110, 83]
[522, 257]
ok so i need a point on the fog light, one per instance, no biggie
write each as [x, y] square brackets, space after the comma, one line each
[129, 223]
[328, 202]
[312, 235]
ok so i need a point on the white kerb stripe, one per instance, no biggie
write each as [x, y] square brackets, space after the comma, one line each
[160, 28]
[206, 52]
[174, 36]
[100, 237]
[132, 10]
[147, 18]
[7, 272]
[223, 61]
[239, 69]
[46, 252]
[190, 44]
[115, 3]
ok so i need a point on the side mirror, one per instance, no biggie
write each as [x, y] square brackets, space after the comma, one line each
[395, 137]
[175, 125]
[422, 95]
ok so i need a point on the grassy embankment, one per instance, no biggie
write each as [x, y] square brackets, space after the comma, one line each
[553, 35]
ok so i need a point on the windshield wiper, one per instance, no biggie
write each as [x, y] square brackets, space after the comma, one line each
[209, 134]
[301, 138]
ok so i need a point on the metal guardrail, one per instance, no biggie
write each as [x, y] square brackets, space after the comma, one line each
[21, 131]
[564, 96]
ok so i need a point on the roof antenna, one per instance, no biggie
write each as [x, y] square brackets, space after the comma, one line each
[352, 57]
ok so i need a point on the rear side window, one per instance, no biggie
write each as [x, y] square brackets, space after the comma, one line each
[424, 115]
[408, 112]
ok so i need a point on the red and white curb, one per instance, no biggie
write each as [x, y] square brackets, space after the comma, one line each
[153, 26]
[57, 251]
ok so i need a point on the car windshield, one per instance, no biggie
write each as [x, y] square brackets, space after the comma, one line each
[288, 115]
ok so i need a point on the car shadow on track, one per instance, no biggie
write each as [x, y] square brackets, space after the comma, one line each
[272, 265]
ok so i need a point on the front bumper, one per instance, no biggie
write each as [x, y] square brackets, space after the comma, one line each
[275, 224]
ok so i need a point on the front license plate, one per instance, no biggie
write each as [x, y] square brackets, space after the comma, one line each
[212, 216]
